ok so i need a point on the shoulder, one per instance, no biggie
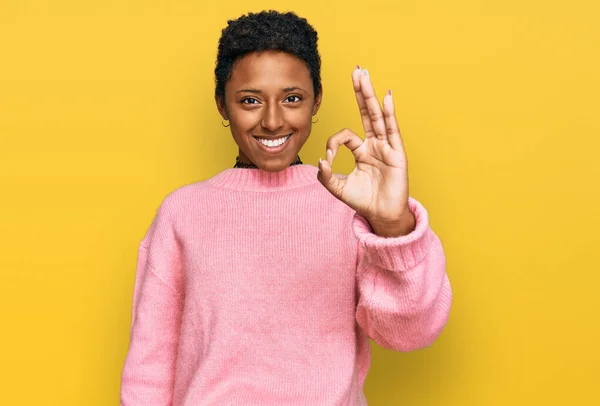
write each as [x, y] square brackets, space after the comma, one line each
[187, 196]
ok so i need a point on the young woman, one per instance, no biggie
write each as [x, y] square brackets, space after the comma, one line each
[263, 284]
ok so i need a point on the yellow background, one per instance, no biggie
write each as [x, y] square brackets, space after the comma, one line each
[106, 106]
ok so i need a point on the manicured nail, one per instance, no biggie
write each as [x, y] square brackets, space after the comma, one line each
[365, 72]
[389, 92]
[358, 67]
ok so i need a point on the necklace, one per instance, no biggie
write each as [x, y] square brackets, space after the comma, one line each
[239, 164]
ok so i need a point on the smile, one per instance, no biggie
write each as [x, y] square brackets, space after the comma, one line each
[273, 143]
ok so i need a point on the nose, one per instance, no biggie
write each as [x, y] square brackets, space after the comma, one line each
[272, 119]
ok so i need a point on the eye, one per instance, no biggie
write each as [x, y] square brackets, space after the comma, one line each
[249, 100]
[298, 98]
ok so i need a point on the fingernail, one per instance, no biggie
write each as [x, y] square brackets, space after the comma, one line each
[358, 67]
[365, 72]
[389, 92]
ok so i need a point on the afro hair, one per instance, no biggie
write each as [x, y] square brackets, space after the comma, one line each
[267, 30]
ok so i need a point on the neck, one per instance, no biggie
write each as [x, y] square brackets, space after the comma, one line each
[240, 164]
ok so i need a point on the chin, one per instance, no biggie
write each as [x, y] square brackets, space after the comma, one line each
[273, 167]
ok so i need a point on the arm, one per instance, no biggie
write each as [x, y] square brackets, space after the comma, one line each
[404, 295]
[149, 370]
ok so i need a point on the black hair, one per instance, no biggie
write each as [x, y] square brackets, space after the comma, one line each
[267, 30]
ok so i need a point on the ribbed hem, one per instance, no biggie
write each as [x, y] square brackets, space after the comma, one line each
[396, 253]
[258, 180]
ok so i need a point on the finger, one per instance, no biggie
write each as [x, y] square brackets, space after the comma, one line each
[335, 183]
[373, 106]
[345, 137]
[391, 124]
[362, 105]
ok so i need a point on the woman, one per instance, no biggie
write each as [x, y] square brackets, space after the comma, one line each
[264, 283]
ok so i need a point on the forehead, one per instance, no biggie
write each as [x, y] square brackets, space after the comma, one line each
[270, 70]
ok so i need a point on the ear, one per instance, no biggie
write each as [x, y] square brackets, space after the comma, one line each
[317, 102]
[221, 107]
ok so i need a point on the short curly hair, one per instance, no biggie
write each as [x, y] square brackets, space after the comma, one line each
[267, 30]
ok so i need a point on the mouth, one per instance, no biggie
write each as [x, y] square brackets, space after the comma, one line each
[273, 144]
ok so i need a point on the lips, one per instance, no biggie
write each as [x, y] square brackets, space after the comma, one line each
[271, 138]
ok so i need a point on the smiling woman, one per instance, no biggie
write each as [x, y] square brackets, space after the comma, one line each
[264, 283]
[269, 100]
[268, 85]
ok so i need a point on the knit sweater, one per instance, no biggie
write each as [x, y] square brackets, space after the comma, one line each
[256, 287]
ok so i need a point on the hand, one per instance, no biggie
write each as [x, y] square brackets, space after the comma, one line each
[377, 188]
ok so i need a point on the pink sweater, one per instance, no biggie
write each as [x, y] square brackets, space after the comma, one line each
[258, 287]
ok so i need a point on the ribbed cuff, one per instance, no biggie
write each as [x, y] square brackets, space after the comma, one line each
[396, 253]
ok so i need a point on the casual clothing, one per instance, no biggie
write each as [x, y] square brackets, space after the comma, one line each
[257, 287]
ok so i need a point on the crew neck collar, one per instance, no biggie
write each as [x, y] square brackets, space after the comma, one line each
[259, 180]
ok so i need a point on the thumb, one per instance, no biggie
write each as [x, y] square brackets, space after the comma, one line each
[331, 182]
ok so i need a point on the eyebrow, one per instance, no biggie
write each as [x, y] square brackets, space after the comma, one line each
[287, 89]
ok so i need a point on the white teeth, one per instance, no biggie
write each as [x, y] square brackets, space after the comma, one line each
[274, 143]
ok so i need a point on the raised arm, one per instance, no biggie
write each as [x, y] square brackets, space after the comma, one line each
[404, 295]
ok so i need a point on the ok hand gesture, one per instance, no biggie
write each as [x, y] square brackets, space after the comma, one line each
[377, 188]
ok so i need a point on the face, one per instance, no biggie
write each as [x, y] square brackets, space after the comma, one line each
[270, 97]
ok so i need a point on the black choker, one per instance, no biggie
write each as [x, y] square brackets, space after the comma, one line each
[239, 164]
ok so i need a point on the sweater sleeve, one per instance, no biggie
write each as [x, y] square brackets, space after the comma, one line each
[404, 294]
[149, 370]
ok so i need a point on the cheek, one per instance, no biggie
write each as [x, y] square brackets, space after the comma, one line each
[244, 120]
[299, 118]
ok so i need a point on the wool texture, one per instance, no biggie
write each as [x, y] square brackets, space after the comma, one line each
[256, 287]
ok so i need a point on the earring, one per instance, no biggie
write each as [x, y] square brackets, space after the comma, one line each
[317, 115]
[223, 123]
